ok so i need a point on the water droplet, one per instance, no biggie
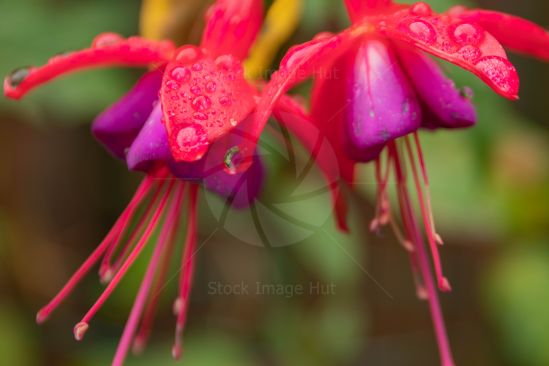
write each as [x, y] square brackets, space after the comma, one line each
[467, 93]
[197, 67]
[195, 89]
[467, 34]
[225, 101]
[211, 86]
[421, 9]
[188, 54]
[234, 122]
[230, 159]
[182, 74]
[422, 31]
[107, 39]
[500, 72]
[470, 53]
[192, 139]
[173, 85]
[201, 103]
[372, 113]
[200, 116]
[17, 76]
[227, 63]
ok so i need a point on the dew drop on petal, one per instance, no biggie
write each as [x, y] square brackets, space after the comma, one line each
[201, 103]
[421, 9]
[467, 34]
[182, 74]
[172, 84]
[192, 140]
[422, 31]
[187, 54]
[211, 86]
[200, 116]
[500, 72]
[195, 89]
[106, 39]
[470, 53]
[197, 67]
[227, 63]
[17, 76]
[225, 101]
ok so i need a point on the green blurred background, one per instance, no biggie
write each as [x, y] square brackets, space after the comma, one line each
[60, 191]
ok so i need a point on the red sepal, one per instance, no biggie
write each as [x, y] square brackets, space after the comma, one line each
[108, 49]
[202, 98]
[465, 44]
[516, 33]
[292, 115]
[300, 63]
[231, 27]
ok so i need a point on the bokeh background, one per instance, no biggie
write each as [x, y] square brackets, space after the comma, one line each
[60, 192]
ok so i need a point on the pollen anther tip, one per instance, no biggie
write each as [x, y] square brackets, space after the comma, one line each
[41, 317]
[80, 330]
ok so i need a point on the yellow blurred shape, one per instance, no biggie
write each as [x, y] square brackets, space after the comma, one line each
[154, 14]
[281, 21]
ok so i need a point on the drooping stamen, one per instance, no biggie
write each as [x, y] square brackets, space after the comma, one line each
[419, 151]
[187, 267]
[172, 217]
[159, 282]
[106, 269]
[127, 264]
[141, 192]
[442, 281]
[422, 260]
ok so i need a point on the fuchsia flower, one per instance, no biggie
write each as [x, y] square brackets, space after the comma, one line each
[181, 124]
[384, 87]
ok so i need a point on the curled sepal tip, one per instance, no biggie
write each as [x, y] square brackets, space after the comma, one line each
[108, 49]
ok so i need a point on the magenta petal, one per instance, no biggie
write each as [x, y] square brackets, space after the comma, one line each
[220, 175]
[451, 107]
[150, 145]
[240, 189]
[117, 126]
[382, 105]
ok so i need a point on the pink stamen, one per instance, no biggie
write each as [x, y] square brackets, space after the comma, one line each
[172, 216]
[187, 267]
[120, 223]
[131, 259]
[423, 263]
[443, 283]
[150, 310]
[136, 232]
[419, 151]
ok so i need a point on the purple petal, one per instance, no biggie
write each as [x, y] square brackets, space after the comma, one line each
[117, 126]
[382, 105]
[241, 189]
[450, 107]
[150, 145]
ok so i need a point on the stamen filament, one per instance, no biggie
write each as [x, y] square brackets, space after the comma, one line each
[187, 268]
[443, 283]
[127, 264]
[423, 262]
[120, 223]
[141, 298]
[150, 309]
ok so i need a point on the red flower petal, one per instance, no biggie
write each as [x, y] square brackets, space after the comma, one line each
[300, 63]
[202, 98]
[360, 8]
[232, 26]
[292, 115]
[518, 34]
[465, 44]
[107, 49]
